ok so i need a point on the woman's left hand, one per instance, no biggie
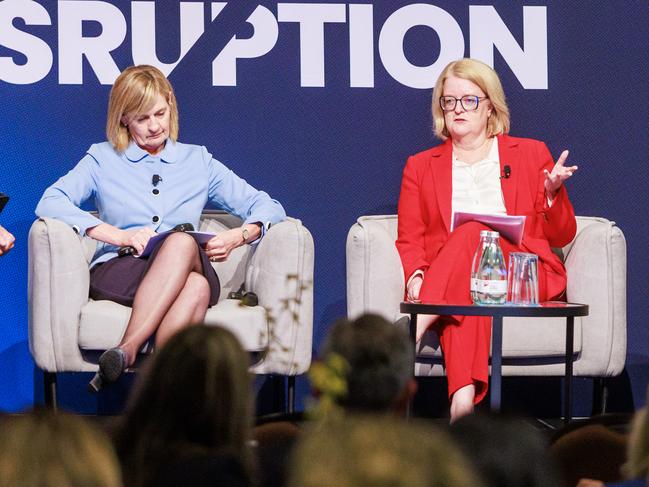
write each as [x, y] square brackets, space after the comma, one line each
[554, 179]
[219, 247]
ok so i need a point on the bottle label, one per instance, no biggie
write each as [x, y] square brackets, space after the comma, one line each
[491, 286]
[474, 284]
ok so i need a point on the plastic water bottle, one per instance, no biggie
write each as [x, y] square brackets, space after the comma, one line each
[491, 276]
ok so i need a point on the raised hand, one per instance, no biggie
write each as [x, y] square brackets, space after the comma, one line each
[554, 179]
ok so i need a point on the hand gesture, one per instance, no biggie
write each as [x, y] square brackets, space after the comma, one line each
[137, 238]
[6, 241]
[554, 179]
[219, 247]
[414, 287]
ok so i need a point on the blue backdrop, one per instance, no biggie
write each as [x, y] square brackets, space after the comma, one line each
[322, 115]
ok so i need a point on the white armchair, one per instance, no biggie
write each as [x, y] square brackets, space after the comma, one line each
[596, 264]
[68, 331]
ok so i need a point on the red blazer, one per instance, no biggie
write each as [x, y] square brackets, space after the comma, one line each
[425, 206]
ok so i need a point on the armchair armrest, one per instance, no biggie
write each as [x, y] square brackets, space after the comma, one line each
[596, 266]
[280, 272]
[58, 283]
[375, 281]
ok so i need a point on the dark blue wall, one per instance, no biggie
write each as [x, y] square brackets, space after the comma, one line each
[333, 153]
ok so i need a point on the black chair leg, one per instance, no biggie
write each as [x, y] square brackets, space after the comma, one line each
[600, 396]
[49, 382]
[290, 400]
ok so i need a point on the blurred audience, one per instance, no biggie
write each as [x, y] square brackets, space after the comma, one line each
[505, 452]
[47, 449]
[275, 441]
[637, 464]
[189, 419]
[380, 360]
[590, 452]
[378, 451]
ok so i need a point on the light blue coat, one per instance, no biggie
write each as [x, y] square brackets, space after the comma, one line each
[122, 188]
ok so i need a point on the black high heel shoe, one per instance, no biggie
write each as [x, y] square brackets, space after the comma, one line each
[112, 364]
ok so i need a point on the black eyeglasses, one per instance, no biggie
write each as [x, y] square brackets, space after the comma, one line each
[469, 102]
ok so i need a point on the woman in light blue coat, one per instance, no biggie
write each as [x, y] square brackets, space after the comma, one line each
[143, 182]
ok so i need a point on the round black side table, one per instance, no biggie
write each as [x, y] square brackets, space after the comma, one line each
[553, 309]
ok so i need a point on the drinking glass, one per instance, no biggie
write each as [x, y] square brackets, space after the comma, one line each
[523, 279]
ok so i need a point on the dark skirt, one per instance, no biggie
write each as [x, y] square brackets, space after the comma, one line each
[117, 279]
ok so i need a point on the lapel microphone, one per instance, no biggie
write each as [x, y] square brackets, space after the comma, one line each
[157, 179]
[507, 171]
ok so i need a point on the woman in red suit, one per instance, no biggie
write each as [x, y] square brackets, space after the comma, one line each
[480, 169]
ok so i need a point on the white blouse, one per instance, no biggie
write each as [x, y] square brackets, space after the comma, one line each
[476, 187]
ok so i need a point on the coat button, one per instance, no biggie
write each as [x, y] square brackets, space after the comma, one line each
[155, 219]
[155, 191]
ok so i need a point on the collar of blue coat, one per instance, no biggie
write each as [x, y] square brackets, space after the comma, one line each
[135, 153]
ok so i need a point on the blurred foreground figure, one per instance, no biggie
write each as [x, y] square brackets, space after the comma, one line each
[506, 452]
[47, 449]
[381, 363]
[378, 451]
[189, 419]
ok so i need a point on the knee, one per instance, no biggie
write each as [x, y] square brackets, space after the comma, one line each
[469, 231]
[198, 287]
[181, 244]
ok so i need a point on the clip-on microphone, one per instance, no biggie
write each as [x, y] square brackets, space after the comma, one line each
[507, 171]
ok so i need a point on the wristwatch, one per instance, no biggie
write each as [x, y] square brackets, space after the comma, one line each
[244, 234]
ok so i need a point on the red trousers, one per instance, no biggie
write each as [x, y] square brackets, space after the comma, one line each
[465, 340]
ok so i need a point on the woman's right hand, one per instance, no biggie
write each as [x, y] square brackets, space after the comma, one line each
[414, 286]
[6, 241]
[136, 238]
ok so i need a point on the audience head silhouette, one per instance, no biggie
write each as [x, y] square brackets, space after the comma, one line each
[378, 451]
[381, 361]
[48, 449]
[192, 404]
[505, 451]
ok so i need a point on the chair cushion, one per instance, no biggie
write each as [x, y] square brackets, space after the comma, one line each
[103, 323]
[522, 338]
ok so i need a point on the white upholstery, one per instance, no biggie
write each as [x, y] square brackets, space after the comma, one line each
[596, 264]
[66, 329]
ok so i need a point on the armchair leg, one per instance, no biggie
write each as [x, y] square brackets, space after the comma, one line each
[600, 396]
[290, 400]
[49, 382]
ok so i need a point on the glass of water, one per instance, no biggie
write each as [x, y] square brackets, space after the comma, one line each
[523, 279]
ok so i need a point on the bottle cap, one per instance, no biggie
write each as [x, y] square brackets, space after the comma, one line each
[489, 233]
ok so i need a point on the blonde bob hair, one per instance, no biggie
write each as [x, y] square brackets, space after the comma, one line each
[134, 92]
[487, 79]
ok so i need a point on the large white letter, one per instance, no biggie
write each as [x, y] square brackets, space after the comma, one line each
[224, 67]
[73, 46]
[530, 64]
[311, 17]
[38, 53]
[361, 46]
[192, 26]
[394, 30]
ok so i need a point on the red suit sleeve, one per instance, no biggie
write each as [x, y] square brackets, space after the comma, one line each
[559, 223]
[412, 226]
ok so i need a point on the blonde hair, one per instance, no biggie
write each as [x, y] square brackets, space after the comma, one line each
[487, 79]
[135, 91]
[44, 448]
[378, 451]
